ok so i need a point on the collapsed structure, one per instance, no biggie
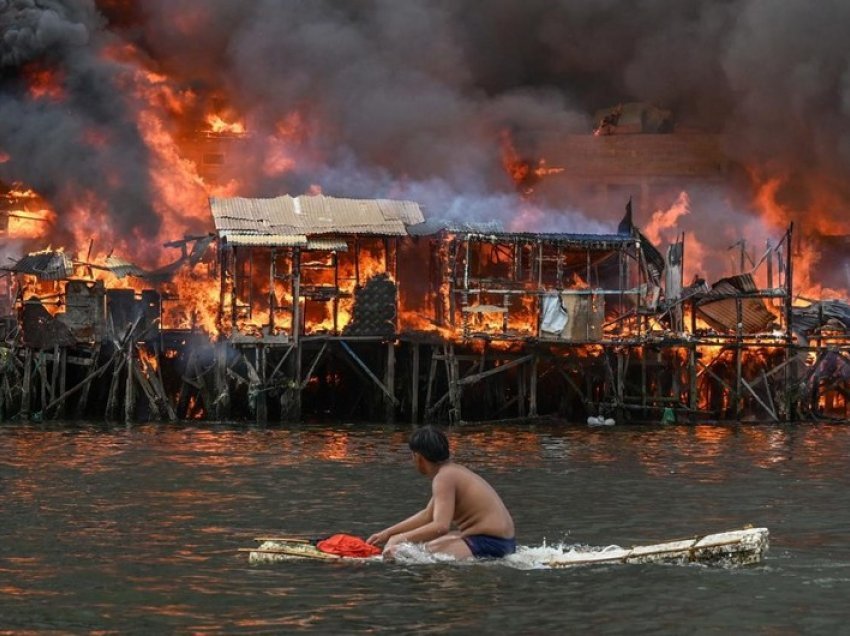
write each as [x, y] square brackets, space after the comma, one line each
[318, 307]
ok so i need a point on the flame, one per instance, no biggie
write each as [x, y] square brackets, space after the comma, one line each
[45, 84]
[525, 173]
[807, 252]
[150, 363]
[218, 125]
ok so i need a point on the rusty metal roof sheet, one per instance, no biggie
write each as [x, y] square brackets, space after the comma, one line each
[719, 306]
[319, 214]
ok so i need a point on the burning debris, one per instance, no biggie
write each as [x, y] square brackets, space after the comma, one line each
[525, 173]
[633, 118]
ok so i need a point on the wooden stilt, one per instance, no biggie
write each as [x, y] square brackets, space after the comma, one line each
[129, 385]
[43, 381]
[63, 370]
[368, 371]
[414, 388]
[739, 312]
[113, 387]
[693, 395]
[296, 397]
[432, 377]
[147, 389]
[86, 385]
[222, 390]
[521, 391]
[262, 405]
[389, 380]
[187, 385]
[26, 386]
[532, 398]
[54, 375]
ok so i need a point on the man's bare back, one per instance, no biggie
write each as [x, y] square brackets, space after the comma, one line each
[465, 516]
[478, 509]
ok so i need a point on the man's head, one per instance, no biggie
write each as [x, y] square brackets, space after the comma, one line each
[430, 443]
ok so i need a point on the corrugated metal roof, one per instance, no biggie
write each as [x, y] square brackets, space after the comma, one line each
[285, 240]
[45, 265]
[122, 268]
[719, 307]
[266, 240]
[493, 231]
[306, 215]
[327, 244]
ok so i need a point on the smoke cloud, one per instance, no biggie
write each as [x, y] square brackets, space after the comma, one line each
[409, 99]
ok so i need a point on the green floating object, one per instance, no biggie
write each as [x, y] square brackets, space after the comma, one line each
[668, 416]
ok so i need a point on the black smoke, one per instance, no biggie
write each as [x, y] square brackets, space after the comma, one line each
[409, 98]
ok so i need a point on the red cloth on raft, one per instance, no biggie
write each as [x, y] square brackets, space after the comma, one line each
[347, 545]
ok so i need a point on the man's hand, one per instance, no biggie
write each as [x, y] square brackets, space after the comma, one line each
[379, 538]
[391, 547]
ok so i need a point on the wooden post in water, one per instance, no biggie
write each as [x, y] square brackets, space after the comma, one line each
[521, 390]
[389, 381]
[789, 335]
[739, 334]
[26, 385]
[129, 393]
[693, 396]
[54, 377]
[296, 397]
[43, 382]
[532, 400]
[260, 365]
[454, 389]
[621, 385]
[432, 376]
[414, 384]
[63, 369]
[84, 395]
[222, 390]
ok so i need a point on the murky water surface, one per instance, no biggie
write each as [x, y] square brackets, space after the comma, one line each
[136, 529]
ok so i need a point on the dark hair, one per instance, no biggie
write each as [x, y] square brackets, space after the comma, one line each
[431, 443]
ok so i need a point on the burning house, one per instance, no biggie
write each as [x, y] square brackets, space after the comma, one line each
[362, 308]
[309, 265]
[122, 127]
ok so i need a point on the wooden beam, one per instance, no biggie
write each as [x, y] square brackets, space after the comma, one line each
[502, 367]
[368, 371]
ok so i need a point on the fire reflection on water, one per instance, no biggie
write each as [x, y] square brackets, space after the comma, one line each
[141, 523]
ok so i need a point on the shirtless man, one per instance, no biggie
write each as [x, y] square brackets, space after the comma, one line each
[460, 498]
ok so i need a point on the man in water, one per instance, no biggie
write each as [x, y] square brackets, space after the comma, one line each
[459, 498]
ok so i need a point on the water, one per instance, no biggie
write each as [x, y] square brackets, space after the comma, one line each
[135, 529]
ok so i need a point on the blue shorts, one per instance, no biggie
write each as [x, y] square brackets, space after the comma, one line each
[483, 546]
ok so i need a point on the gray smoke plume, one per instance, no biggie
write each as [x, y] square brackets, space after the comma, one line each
[89, 141]
[410, 98]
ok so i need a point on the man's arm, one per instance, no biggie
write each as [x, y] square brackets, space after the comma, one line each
[411, 523]
[442, 514]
